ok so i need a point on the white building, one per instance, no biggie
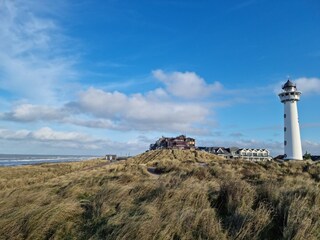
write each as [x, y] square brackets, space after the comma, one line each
[250, 154]
[111, 157]
[292, 141]
[254, 154]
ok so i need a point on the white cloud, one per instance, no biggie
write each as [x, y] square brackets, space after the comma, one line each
[141, 112]
[186, 84]
[49, 141]
[101, 103]
[157, 94]
[31, 61]
[96, 108]
[29, 112]
[308, 85]
[44, 134]
[47, 134]
[14, 135]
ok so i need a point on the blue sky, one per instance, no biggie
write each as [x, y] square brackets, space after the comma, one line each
[97, 77]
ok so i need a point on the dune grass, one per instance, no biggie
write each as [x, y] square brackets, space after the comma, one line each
[220, 199]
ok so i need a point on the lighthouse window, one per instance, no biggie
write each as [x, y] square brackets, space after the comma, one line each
[285, 143]
[285, 115]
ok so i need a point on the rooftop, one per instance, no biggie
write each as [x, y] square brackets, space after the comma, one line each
[288, 84]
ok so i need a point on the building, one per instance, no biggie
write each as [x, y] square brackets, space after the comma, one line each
[228, 153]
[111, 157]
[251, 154]
[254, 154]
[180, 142]
[292, 141]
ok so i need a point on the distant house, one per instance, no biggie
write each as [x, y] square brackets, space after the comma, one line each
[221, 151]
[180, 142]
[250, 154]
[254, 154]
[111, 157]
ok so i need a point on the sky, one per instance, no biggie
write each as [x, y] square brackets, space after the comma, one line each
[97, 77]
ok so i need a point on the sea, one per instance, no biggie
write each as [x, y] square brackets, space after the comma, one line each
[7, 160]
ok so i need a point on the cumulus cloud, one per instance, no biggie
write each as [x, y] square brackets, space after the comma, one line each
[30, 112]
[96, 108]
[140, 112]
[186, 84]
[31, 61]
[101, 103]
[308, 85]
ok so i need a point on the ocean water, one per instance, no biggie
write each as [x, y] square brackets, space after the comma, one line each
[21, 159]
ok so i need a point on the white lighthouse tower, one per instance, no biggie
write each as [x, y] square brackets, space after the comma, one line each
[292, 141]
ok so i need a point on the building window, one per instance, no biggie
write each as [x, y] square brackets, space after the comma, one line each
[285, 143]
[285, 115]
[285, 129]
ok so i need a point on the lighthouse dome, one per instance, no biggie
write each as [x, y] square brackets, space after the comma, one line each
[288, 84]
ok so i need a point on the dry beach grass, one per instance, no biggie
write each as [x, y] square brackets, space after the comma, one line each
[195, 195]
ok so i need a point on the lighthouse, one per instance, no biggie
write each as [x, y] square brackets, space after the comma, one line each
[292, 141]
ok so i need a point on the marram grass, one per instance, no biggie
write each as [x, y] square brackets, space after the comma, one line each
[187, 195]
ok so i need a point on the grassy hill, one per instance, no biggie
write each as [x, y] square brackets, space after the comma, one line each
[161, 195]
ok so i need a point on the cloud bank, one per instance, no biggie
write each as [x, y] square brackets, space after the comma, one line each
[139, 111]
[96, 108]
[53, 140]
